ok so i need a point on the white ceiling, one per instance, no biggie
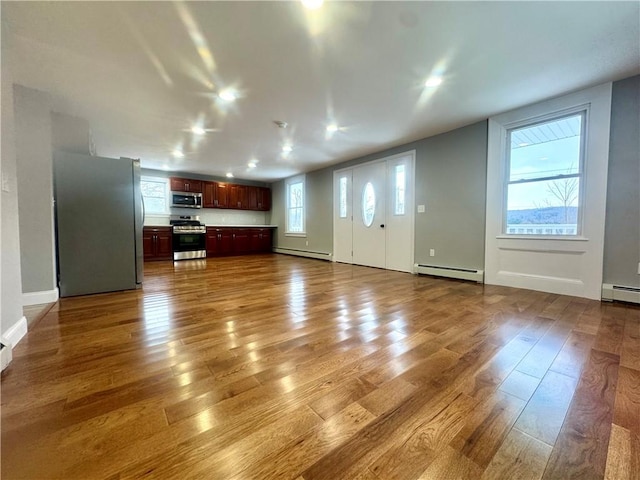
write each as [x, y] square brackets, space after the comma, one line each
[143, 72]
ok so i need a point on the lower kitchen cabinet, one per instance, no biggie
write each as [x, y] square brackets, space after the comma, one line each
[219, 241]
[157, 243]
[238, 241]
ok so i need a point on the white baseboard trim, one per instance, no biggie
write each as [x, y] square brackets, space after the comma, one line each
[5, 355]
[303, 253]
[450, 272]
[37, 298]
[15, 332]
[621, 293]
[543, 283]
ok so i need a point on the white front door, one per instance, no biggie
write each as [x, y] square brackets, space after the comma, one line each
[399, 224]
[369, 215]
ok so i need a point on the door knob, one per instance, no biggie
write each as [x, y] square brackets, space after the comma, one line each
[382, 225]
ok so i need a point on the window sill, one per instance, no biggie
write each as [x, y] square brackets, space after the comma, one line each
[295, 234]
[564, 238]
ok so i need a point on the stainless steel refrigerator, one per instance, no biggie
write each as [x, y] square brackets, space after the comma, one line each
[99, 217]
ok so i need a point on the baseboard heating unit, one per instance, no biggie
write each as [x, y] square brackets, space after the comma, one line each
[450, 272]
[621, 293]
[303, 253]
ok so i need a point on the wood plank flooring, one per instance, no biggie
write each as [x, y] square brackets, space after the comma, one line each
[276, 367]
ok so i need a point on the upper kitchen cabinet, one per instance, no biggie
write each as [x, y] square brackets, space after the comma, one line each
[226, 195]
[264, 199]
[238, 197]
[185, 185]
[252, 198]
[216, 195]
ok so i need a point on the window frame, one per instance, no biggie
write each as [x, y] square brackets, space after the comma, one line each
[167, 193]
[582, 110]
[404, 188]
[299, 179]
[343, 188]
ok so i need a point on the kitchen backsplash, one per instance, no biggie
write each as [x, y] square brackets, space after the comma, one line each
[212, 216]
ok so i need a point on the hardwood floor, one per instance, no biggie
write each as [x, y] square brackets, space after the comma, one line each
[278, 367]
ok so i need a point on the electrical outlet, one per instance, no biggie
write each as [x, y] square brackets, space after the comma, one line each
[421, 209]
[638, 268]
[432, 252]
[307, 243]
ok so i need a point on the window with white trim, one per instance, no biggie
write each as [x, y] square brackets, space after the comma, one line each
[295, 206]
[155, 194]
[343, 197]
[399, 189]
[544, 177]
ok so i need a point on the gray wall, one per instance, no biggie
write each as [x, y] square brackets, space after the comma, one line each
[622, 224]
[450, 181]
[35, 189]
[10, 290]
[319, 221]
[71, 134]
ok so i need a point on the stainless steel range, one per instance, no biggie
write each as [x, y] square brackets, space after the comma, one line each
[189, 237]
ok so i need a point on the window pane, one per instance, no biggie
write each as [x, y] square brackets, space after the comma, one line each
[368, 204]
[546, 149]
[154, 196]
[543, 208]
[152, 189]
[399, 190]
[295, 195]
[343, 197]
[154, 205]
[295, 207]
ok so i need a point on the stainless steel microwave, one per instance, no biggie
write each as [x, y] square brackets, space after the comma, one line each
[186, 200]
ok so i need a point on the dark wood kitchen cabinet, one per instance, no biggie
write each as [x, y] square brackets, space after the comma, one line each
[238, 197]
[219, 241]
[185, 185]
[241, 241]
[157, 243]
[260, 239]
[252, 198]
[238, 240]
[216, 195]
[226, 195]
[264, 199]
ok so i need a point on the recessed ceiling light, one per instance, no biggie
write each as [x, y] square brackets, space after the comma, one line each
[287, 149]
[433, 82]
[523, 144]
[332, 128]
[312, 4]
[253, 164]
[177, 153]
[229, 175]
[228, 95]
[198, 130]
[281, 124]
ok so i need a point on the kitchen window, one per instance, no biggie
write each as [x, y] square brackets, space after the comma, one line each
[295, 206]
[544, 177]
[155, 194]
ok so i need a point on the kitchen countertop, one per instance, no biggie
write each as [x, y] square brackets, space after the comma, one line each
[220, 225]
[242, 226]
